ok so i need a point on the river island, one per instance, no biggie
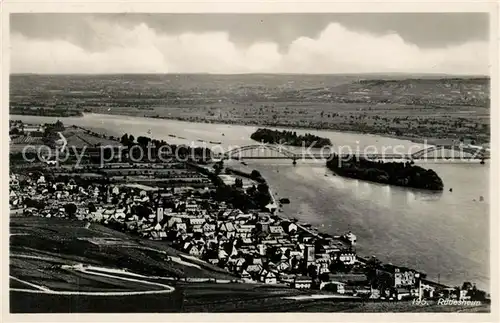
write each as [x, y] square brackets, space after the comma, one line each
[290, 138]
[393, 173]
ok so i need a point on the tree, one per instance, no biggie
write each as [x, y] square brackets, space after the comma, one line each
[467, 286]
[263, 188]
[141, 211]
[218, 168]
[255, 174]
[338, 266]
[324, 277]
[143, 141]
[58, 126]
[34, 203]
[124, 140]
[238, 182]
[312, 270]
[251, 190]
[92, 207]
[70, 209]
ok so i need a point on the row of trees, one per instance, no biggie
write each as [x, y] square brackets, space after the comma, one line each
[157, 147]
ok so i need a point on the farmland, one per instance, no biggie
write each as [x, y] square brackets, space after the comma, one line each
[427, 107]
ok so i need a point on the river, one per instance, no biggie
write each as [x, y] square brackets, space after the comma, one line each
[445, 235]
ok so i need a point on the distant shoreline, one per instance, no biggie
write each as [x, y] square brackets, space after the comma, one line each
[249, 124]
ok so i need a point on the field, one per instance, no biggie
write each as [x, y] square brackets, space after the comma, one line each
[75, 137]
[404, 106]
[79, 138]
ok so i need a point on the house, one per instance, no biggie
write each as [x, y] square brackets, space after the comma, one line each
[227, 227]
[257, 261]
[247, 241]
[293, 253]
[276, 230]
[243, 218]
[283, 266]
[196, 221]
[191, 207]
[213, 261]
[153, 235]
[348, 258]
[208, 227]
[222, 254]
[180, 226]
[350, 237]
[27, 128]
[267, 277]
[224, 213]
[403, 293]
[131, 225]
[261, 248]
[245, 275]
[120, 216]
[172, 221]
[336, 287]
[193, 249]
[240, 262]
[254, 268]
[289, 227]
[244, 231]
[302, 282]
[402, 276]
[270, 241]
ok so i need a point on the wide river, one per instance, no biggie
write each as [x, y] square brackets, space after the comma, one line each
[445, 235]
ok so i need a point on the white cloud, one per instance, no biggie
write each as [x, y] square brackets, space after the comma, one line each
[335, 50]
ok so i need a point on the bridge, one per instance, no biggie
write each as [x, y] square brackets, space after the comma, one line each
[269, 151]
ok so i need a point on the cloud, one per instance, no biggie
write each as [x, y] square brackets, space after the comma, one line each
[140, 49]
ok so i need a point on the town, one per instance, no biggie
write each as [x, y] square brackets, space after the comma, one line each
[216, 215]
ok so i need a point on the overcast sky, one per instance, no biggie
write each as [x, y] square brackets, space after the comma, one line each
[453, 43]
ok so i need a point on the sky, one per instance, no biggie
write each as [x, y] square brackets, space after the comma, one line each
[443, 43]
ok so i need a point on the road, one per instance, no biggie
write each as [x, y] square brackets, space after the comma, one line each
[97, 271]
